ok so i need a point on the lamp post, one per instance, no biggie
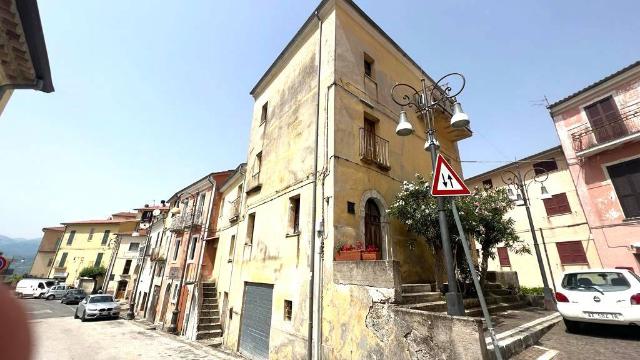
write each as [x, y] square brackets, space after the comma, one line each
[519, 180]
[425, 101]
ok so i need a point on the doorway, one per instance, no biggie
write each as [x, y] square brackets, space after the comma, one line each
[165, 302]
[121, 289]
[151, 310]
[208, 262]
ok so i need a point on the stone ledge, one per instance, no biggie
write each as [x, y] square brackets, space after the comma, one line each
[376, 273]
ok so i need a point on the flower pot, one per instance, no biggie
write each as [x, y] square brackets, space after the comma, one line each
[351, 255]
[371, 255]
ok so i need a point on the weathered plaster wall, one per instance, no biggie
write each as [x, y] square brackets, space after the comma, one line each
[611, 231]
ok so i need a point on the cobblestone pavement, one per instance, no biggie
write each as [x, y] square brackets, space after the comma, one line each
[594, 342]
[65, 338]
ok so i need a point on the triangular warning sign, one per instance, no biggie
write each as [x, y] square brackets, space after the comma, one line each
[445, 180]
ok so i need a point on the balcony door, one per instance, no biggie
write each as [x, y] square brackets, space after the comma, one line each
[605, 120]
[372, 226]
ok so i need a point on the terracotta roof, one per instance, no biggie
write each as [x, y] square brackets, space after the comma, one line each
[125, 214]
[53, 228]
[599, 82]
[153, 207]
[102, 221]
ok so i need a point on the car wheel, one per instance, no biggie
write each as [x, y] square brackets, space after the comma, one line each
[50, 297]
[83, 318]
[40, 296]
[572, 326]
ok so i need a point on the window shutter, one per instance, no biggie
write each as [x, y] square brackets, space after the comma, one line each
[557, 204]
[503, 256]
[626, 181]
[571, 252]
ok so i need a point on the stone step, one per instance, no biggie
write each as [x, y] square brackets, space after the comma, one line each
[209, 301]
[209, 307]
[491, 286]
[209, 319]
[207, 327]
[514, 341]
[209, 313]
[209, 293]
[209, 285]
[416, 288]
[499, 292]
[496, 308]
[214, 342]
[420, 297]
[441, 306]
[208, 334]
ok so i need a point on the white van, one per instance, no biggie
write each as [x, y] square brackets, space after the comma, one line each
[34, 287]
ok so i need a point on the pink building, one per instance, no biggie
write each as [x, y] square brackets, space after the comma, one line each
[599, 129]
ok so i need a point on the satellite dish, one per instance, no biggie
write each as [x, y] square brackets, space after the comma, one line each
[156, 212]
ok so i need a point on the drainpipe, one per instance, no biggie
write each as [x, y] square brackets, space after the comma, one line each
[173, 326]
[313, 343]
[546, 254]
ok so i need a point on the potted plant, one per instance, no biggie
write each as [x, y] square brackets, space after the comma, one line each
[371, 252]
[348, 252]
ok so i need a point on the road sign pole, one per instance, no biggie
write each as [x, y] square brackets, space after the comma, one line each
[476, 282]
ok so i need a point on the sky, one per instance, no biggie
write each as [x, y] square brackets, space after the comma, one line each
[152, 95]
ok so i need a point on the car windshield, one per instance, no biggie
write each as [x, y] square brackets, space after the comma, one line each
[101, 299]
[76, 292]
[595, 282]
[50, 283]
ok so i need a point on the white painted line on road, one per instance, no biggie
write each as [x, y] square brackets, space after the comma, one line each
[550, 354]
[39, 311]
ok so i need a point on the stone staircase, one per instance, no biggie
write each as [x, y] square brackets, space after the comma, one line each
[422, 297]
[209, 326]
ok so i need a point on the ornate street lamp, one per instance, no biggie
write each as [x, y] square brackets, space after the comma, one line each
[425, 101]
[519, 181]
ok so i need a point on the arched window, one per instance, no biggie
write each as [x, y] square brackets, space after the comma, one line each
[372, 228]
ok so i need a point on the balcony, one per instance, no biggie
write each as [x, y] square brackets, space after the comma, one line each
[235, 210]
[156, 255]
[374, 149]
[186, 220]
[60, 272]
[589, 140]
[254, 183]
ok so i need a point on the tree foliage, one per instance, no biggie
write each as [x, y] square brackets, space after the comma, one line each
[93, 272]
[483, 217]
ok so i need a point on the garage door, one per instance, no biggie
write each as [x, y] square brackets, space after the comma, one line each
[255, 325]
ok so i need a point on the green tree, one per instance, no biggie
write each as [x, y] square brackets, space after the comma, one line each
[483, 217]
[93, 272]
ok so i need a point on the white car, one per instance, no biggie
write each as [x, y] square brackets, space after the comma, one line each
[97, 306]
[605, 296]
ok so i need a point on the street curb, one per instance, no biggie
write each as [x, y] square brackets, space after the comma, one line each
[516, 340]
[219, 354]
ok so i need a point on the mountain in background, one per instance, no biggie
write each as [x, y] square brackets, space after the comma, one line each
[19, 248]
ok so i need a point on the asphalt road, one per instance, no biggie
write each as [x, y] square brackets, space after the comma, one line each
[45, 309]
[606, 342]
[58, 336]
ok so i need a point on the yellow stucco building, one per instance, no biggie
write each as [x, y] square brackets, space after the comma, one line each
[88, 243]
[563, 234]
[323, 165]
[51, 238]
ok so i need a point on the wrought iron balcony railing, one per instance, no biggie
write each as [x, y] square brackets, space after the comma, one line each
[628, 123]
[374, 149]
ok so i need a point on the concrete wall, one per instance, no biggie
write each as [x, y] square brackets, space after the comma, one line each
[612, 232]
[571, 226]
[412, 334]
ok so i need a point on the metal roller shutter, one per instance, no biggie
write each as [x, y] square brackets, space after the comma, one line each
[255, 326]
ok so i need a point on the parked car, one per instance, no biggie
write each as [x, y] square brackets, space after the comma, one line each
[56, 292]
[33, 287]
[602, 296]
[73, 296]
[97, 306]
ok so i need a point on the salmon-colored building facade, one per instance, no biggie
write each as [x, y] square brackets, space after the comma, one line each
[599, 129]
